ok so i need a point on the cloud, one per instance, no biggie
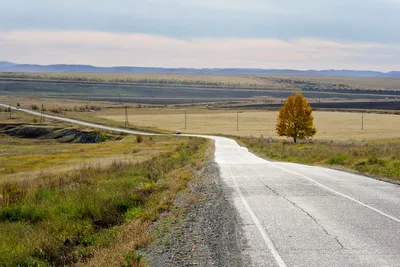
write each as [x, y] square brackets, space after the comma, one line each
[340, 20]
[122, 49]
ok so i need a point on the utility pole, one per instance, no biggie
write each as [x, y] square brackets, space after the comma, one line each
[9, 109]
[237, 121]
[185, 119]
[126, 116]
[362, 121]
[42, 114]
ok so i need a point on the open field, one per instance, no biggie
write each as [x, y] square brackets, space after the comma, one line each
[211, 79]
[167, 95]
[189, 89]
[95, 214]
[337, 105]
[330, 125]
[23, 158]
[367, 82]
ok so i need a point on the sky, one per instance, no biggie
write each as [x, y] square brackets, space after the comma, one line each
[278, 34]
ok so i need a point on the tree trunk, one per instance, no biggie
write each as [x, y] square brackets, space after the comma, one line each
[295, 140]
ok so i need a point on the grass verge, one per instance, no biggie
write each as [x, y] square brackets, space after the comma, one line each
[380, 158]
[98, 216]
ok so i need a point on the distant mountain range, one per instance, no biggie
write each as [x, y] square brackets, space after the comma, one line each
[13, 67]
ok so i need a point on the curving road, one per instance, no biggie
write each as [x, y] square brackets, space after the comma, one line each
[297, 215]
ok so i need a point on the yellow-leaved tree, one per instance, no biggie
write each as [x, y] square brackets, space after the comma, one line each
[295, 119]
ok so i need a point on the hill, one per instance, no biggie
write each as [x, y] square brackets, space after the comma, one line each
[35, 68]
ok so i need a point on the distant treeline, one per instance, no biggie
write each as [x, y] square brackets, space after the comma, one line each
[217, 81]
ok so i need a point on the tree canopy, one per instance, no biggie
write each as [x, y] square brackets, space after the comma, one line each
[295, 119]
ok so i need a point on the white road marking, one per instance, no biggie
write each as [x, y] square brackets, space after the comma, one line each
[336, 192]
[260, 228]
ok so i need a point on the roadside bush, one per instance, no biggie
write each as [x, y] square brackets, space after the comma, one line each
[57, 110]
[133, 259]
[338, 159]
[95, 108]
[18, 213]
[376, 161]
[34, 107]
[102, 137]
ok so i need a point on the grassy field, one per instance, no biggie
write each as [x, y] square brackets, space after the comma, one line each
[365, 82]
[214, 80]
[330, 125]
[335, 130]
[22, 158]
[97, 214]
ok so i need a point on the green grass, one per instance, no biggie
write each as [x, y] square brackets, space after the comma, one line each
[380, 158]
[20, 155]
[60, 223]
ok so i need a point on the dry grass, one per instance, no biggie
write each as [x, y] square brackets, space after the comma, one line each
[133, 235]
[50, 103]
[98, 216]
[22, 159]
[387, 83]
[330, 125]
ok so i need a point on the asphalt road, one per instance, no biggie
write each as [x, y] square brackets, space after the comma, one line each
[297, 215]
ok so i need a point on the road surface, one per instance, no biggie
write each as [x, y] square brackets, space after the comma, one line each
[297, 215]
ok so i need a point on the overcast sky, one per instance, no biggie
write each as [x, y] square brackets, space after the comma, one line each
[296, 34]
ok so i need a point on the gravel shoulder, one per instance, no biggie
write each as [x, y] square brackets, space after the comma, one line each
[205, 229]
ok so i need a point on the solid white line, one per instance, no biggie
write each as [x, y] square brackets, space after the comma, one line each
[336, 192]
[260, 228]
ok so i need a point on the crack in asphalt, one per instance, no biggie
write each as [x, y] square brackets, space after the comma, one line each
[307, 213]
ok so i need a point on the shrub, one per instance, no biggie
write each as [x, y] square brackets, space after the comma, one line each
[338, 159]
[139, 138]
[376, 161]
[56, 110]
[17, 213]
[133, 259]
[102, 137]
[34, 107]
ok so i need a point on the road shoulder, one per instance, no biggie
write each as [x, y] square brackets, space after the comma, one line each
[206, 233]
